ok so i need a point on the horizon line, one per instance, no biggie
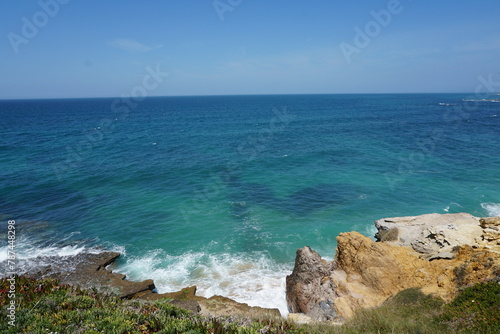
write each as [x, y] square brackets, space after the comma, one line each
[223, 95]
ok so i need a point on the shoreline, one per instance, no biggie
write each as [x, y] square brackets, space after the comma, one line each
[92, 270]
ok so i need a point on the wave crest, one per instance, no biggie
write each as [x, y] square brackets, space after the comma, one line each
[493, 209]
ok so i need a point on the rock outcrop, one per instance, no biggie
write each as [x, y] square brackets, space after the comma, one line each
[491, 229]
[432, 233]
[89, 271]
[438, 253]
[213, 306]
[309, 290]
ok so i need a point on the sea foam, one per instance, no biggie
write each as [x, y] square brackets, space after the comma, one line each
[254, 279]
[493, 209]
[29, 253]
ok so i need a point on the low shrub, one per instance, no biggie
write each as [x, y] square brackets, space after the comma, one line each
[475, 310]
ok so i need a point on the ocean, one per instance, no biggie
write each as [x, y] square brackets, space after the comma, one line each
[220, 191]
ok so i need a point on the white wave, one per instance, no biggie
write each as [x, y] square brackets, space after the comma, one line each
[24, 249]
[27, 254]
[254, 279]
[493, 209]
[448, 207]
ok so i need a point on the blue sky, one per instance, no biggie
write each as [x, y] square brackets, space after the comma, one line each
[103, 48]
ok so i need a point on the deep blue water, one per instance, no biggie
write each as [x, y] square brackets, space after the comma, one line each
[220, 191]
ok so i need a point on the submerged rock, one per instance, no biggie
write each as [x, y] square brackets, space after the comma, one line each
[365, 273]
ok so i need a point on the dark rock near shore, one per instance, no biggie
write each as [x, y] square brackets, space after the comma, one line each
[89, 271]
[308, 288]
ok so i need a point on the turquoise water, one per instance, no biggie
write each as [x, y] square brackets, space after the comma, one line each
[221, 191]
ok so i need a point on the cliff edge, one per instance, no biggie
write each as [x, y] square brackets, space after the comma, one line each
[439, 253]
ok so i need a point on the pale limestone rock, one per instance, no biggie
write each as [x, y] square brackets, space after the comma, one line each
[442, 255]
[433, 233]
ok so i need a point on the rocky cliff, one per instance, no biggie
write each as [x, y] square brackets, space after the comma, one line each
[438, 253]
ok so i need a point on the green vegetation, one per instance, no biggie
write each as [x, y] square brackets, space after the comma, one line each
[47, 307]
[410, 311]
[475, 310]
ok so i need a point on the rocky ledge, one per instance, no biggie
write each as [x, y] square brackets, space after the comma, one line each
[438, 253]
[91, 271]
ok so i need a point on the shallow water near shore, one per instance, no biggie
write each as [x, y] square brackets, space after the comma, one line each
[219, 192]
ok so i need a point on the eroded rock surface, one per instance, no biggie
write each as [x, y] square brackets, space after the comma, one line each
[365, 273]
[491, 229]
[432, 233]
[309, 290]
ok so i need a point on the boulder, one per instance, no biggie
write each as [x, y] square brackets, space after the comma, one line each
[309, 289]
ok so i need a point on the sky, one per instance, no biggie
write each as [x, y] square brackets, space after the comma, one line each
[91, 48]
